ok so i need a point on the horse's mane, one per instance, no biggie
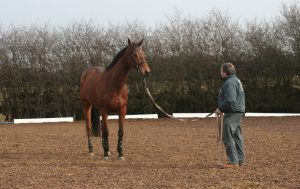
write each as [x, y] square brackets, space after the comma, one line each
[116, 58]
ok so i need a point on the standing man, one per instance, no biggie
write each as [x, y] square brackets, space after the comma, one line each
[231, 102]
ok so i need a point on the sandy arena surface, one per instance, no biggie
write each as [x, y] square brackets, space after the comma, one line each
[161, 153]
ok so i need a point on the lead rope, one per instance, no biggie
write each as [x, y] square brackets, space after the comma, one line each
[156, 105]
[159, 108]
[219, 136]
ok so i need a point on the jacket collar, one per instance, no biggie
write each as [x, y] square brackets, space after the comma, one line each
[228, 77]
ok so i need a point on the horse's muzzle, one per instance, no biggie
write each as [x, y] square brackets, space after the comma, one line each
[145, 73]
[144, 68]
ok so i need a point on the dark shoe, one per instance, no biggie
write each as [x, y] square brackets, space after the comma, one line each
[242, 164]
[229, 165]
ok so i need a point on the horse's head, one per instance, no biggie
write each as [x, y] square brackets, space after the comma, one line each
[138, 57]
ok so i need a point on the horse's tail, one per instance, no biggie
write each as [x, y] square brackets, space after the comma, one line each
[96, 125]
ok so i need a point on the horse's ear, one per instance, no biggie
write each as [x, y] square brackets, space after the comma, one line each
[139, 44]
[129, 42]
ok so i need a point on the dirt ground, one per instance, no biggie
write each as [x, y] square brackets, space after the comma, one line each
[161, 153]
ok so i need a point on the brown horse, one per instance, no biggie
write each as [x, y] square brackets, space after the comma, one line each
[105, 91]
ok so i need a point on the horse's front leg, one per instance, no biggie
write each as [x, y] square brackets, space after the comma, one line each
[105, 134]
[121, 133]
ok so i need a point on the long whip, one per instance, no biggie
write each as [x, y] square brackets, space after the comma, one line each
[220, 117]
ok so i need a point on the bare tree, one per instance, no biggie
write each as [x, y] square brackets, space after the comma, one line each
[289, 24]
[224, 36]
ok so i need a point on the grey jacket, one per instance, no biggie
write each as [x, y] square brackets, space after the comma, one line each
[231, 96]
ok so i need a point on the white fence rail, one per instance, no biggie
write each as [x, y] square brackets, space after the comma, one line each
[202, 115]
[147, 116]
[191, 115]
[70, 119]
[44, 120]
[138, 116]
[271, 114]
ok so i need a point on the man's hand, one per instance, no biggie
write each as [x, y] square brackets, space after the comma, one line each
[218, 112]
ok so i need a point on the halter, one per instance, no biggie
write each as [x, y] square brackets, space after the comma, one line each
[138, 65]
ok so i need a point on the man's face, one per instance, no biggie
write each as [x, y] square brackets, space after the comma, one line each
[223, 74]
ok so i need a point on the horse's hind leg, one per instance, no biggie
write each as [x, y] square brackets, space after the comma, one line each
[105, 134]
[87, 116]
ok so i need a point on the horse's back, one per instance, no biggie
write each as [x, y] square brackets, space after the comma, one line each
[88, 81]
[94, 70]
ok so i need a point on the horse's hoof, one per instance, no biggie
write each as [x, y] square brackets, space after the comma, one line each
[121, 158]
[91, 154]
[106, 158]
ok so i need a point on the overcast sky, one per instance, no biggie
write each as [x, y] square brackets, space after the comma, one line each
[149, 12]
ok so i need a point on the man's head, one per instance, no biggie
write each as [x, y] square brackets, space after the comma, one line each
[227, 69]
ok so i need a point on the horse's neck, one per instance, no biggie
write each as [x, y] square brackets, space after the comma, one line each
[120, 75]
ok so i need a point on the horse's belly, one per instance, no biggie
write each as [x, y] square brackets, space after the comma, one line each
[114, 101]
[115, 104]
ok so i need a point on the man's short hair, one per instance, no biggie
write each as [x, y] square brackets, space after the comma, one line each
[228, 68]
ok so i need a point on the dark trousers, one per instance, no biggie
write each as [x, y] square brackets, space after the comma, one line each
[233, 137]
